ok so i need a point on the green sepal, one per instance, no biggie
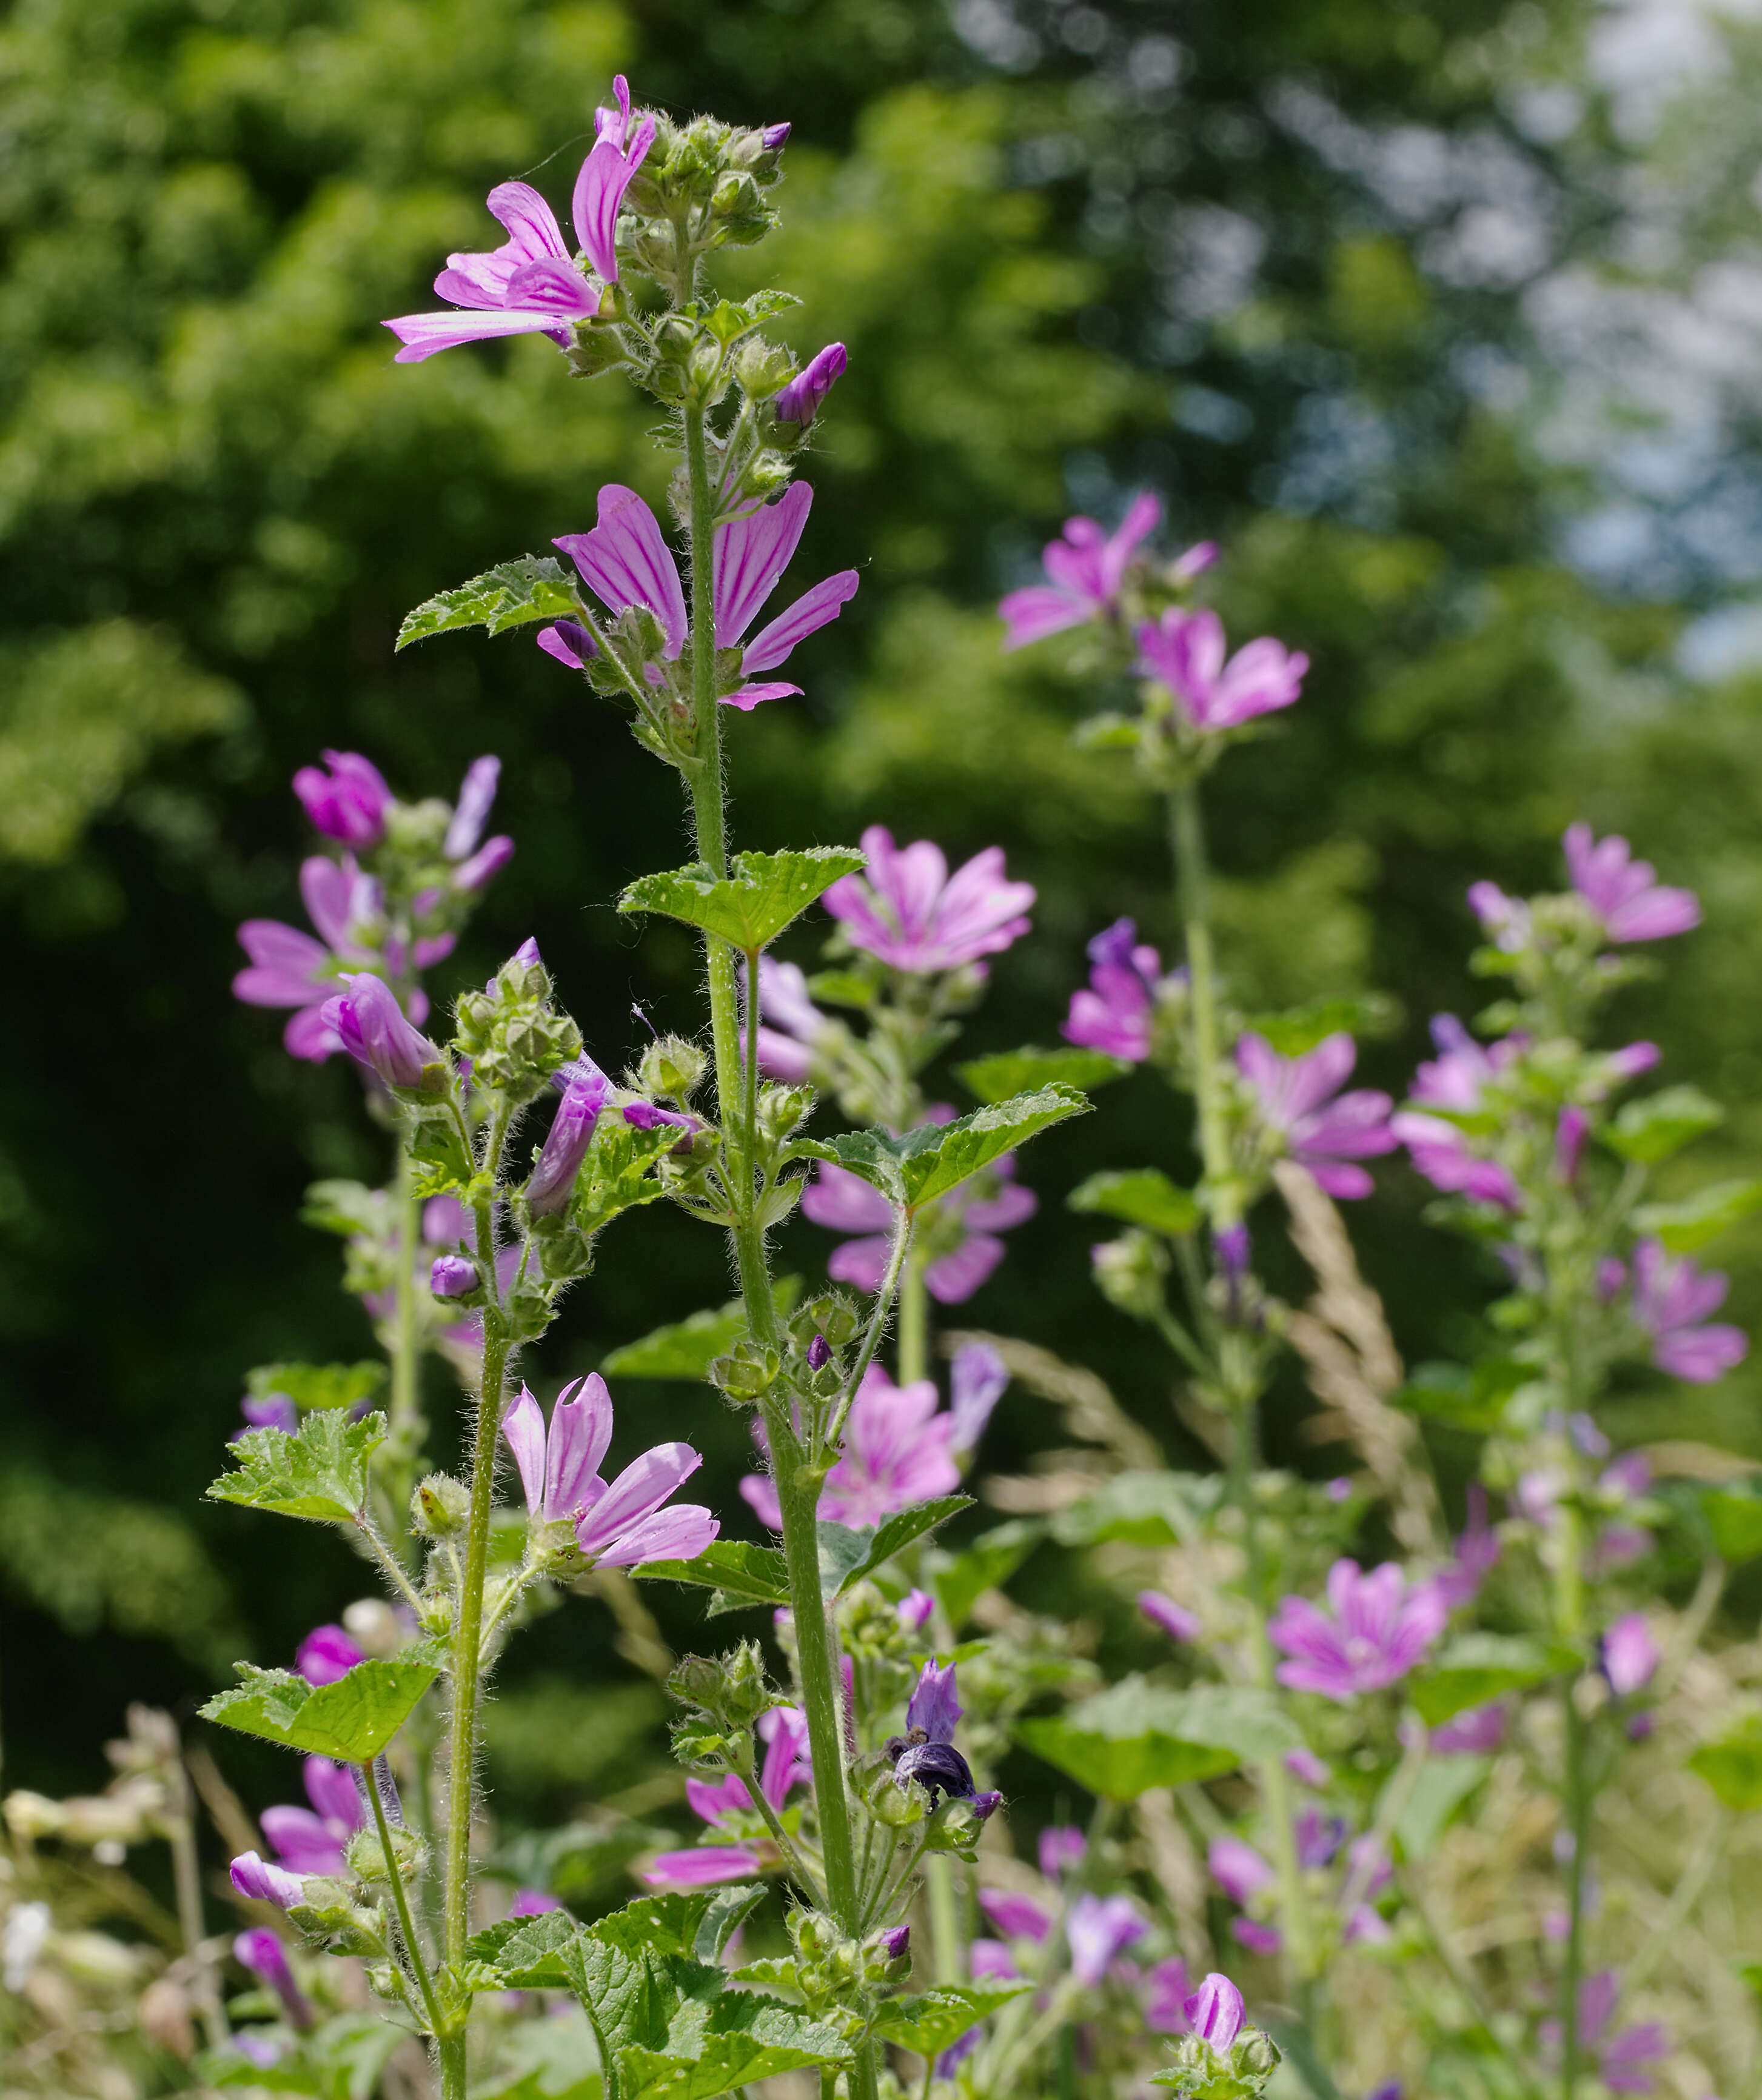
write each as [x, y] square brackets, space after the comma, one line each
[929, 1161]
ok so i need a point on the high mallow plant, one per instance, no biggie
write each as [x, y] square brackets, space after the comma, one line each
[1449, 1809]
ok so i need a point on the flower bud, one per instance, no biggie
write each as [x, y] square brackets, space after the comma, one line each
[762, 368]
[441, 1506]
[1256, 2055]
[747, 1372]
[372, 1028]
[831, 1314]
[818, 1353]
[814, 1934]
[349, 803]
[453, 1277]
[255, 1877]
[552, 1183]
[672, 1068]
[1129, 1272]
[800, 401]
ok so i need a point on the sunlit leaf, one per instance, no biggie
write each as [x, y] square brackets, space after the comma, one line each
[751, 906]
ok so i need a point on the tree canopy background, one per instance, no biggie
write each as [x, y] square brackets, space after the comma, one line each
[1444, 320]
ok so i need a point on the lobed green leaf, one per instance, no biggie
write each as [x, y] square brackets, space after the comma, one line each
[754, 1574]
[319, 1474]
[1651, 1131]
[512, 594]
[1478, 1668]
[928, 2023]
[751, 907]
[1136, 1735]
[933, 1159]
[352, 1719]
[1140, 1196]
[995, 1079]
[1690, 1223]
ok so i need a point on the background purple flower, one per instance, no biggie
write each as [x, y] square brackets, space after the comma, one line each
[1085, 567]
[899, 1451]
[327, 1653]
[1237, 1869]
[1625, 892]
[1476, 1733]
[313, 1841]
[1186, 650]
[1671, 1299]
[1629, 1655]
[1324, 1129]
[349, 802]
[1116, 1012]
[792, 1029]
[978, 1379]
[1174, 1619]
[1454, 1079]
[1099, 1929]
[1625, 2059]
[909, 910]
[784, 1729]
[1379, 1629]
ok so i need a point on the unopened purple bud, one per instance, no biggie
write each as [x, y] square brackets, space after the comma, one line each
[453, 1277]
[1570, 1134]
[774, 136]
[349, 802]
[1215, 2012]
[1175, 1620]
[528, 953]
[1629, 1655]
[261, 1951]
[489, 861]
[477, 794]
[894, 1944]
[800, 401]
[985, 1805]
[1195, 561]
[570, 1133]
[254, 1876]
[647, 1115]
[371, 1025]
[915, 1609]
[1231, 1246]
[326, 1653]
[274, 1411]
[818, 1353]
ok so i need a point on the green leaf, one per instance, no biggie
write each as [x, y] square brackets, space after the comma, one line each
[962, 1579]
[754, 1574]
[1140, 1196]
[313, 1387]
[928, 1162]
[618, 1173]
[521, 1954]
[1472, 1398]
[342, 2059]
[1684, 1227]
[1136, 1735]
[685, 1350]
[688, 1347]
[352, 1719]
[1008, 1072]
[442, 1166]
[1733, 1512]
[1143, 1508]
[1733, 1766]
[729, 1910]
[846, 1554]
[751, 907]
[1300, 1028]
[511, 594]
[928, 2023]
[1440, 1788]
[552, 2058]
[1478, 1668]
[1650, 1131]
[745, 2038]
[319, 1474]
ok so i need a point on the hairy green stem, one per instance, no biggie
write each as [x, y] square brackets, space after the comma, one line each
[1194, 883]
[798, 1484]
[913, 1346]
[407, 1424]
[1568, 1623]
[187, 1879]
[413, 1947]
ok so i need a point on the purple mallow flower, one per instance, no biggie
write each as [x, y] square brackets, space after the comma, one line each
[1324, 1130]
[1186, 650]
[1116, 1012]
[961, 1226]
[349, 802]
[533, 1902]
[327, 1653]
[1379, 1630]
[1455, 1080]
[1099, 1930]
[1237, 1869]
[1458, 1582]
[531, 285]
[721, 1803]
[1215, 2012]
[1624, 892]
[552, 1181]
[290, 968]
[625, 561]
[1624, 2060]
[899, 1451]
[273, 1410]
[314, 1840]
[1167, 1988]
[907, 909]
[621, 1525]
[474, 864]
[1085, 568]
[800, 401]
[1476, 1733]
[369, 1023]
[915, 1610]
[1016, 1916]
[1061, 1845]
[1671, 1299]
[263, 1953]
[792, 1029]
[1628, 1654]
[978, 1379]
[254, 1878]
[1174, 1619]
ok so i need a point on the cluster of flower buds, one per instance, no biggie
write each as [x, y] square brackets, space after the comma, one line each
[405, 878]
[723, 1696]
[514, 1036]
[838, 1974]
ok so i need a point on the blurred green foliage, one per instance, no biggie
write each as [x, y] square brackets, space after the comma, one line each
[1070, 248]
